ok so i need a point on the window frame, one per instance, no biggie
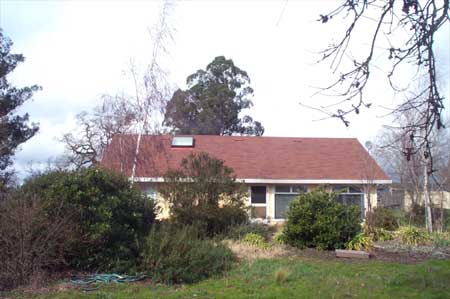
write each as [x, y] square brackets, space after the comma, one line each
[265, 205]
[291, 192]
[182, 141]
[348, 191]
[151, 192]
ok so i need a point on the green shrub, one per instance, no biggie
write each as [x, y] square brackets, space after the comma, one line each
[316, 219]
[383, 218]
[413, 236]
[381, 234]
[237, 232]
[441, 239]
[279, 238]
[256, 240]
[204, 190]
[179, 255]
[360, 242]
[109, 217]
[378, 234]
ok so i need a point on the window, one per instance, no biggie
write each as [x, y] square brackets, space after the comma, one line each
[258, 201]
[350, 195]
[150, 192]
[182, 141]
[258, 194]
[284, 194]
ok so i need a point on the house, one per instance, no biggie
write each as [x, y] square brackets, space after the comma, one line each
[275, 169]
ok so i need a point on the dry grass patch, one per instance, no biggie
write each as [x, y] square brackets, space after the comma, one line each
[245, 251]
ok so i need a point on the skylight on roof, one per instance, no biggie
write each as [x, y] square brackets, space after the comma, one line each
[183, 141]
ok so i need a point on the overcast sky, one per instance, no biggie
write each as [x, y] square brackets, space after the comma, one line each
[78, 50]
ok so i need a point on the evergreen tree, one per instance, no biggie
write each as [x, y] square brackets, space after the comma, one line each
[213, 101]
[14, 129]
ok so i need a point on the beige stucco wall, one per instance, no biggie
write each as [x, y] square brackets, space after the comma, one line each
[436, 197]
[162, 204]
[270, 196]
[164, 208]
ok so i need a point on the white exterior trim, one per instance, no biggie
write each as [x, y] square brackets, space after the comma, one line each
[148, 180]
[279, 181]
[322, 181]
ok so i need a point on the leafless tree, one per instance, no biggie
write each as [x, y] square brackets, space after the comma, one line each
[415, 171]
[369, 172]
[95, 130]
[152, 94]
[440, 179]
[31, 240]
[405, 32]
[137, 112]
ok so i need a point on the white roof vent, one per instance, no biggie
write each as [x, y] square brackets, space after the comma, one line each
[183, 141]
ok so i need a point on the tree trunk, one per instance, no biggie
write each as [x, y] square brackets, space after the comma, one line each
[441, 228]
[135, 160]
[427, 201]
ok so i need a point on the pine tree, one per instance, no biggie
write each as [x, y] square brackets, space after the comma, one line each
[14, 129]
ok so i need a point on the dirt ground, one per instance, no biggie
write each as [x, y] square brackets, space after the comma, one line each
[379, 252]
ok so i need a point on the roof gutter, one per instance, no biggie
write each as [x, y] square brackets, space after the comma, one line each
[281, 181]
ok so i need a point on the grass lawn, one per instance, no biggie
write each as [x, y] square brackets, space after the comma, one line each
[292, 278]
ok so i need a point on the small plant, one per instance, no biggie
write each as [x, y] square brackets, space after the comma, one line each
[360, 242]
[441, 239]
[282, 275]
[279, 238]
[256, 240]
[383, 218]
[383, 235]
[378, 234]
[413, 236]
[237, 232]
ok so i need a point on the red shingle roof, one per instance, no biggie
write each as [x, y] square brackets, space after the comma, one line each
[250, 157]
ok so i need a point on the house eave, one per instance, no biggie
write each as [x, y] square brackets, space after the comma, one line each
[283, 181]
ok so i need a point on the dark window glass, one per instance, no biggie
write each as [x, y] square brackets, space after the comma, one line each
[353, 199]
[282, 202]
[340, 189]
[354, 189]
[282, 188]
[299, 189]
[258, 194]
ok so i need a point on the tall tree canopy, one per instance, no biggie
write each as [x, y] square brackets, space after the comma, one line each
[213, 101]
[14, 129]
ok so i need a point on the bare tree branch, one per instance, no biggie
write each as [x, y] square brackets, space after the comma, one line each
[419, 21]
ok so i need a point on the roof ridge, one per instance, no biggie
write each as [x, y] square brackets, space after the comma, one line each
[236, 136]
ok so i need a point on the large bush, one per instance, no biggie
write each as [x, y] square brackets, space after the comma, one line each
[110, 217]
[383, 218]
[204, 191]
[30, 242]
[176, 254]
[316, 219]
